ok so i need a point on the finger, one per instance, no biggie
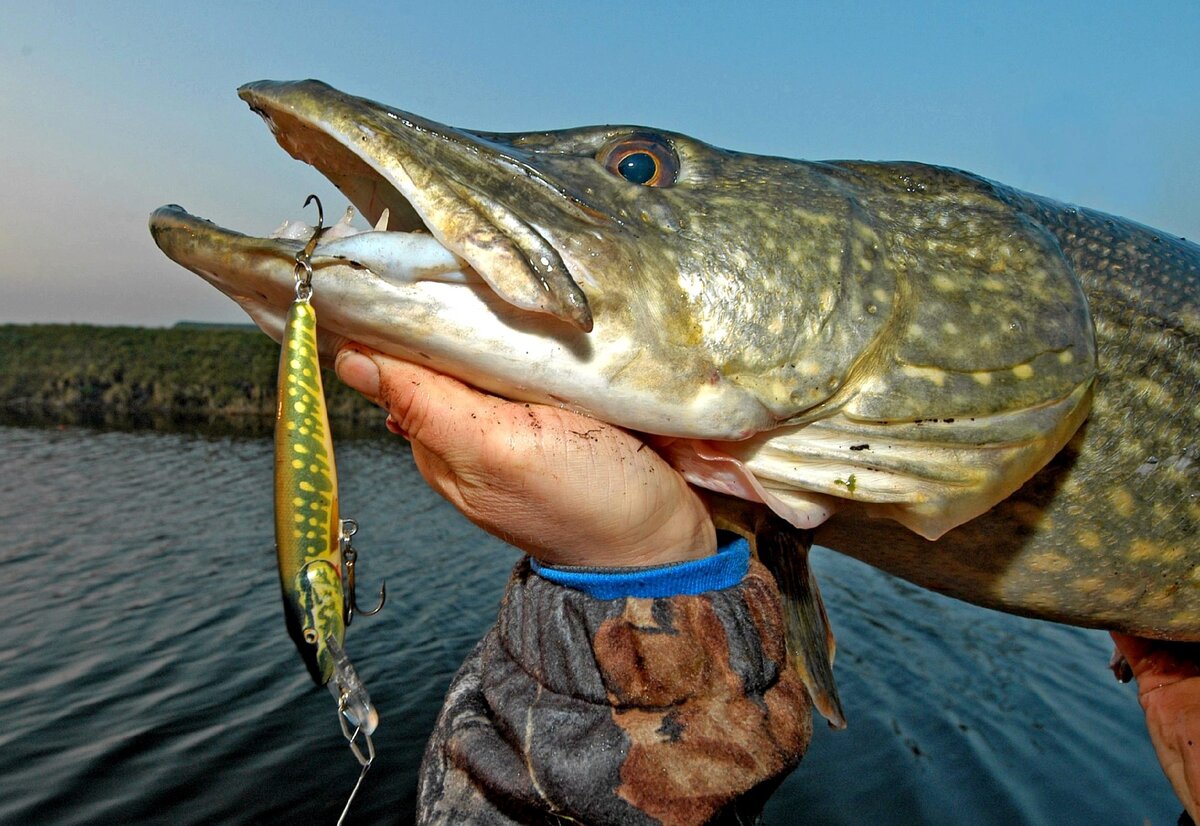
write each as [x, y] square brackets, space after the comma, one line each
[434, 409]
[358, 371]
[1158, 663]
[414, 396]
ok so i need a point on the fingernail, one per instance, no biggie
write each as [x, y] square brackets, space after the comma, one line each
[359, 372]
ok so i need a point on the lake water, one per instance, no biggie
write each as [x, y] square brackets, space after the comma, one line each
[146, 676]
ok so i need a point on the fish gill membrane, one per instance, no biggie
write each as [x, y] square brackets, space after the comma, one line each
[983, 391]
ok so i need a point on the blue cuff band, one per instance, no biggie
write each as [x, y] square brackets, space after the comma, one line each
[723, 569]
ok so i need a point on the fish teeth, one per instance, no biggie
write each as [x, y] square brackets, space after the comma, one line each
[381, 224]
[291, 230]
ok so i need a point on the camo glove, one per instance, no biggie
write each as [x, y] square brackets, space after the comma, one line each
[603, 708]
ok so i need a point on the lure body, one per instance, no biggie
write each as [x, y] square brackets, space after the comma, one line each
[307, 526]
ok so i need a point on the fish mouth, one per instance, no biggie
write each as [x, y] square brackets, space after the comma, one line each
[408, 175]
[425, 190]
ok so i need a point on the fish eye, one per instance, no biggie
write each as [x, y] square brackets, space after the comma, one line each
[645, 160]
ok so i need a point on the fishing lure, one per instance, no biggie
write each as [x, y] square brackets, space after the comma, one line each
[312, 543]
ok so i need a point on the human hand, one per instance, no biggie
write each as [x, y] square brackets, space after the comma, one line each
[1168, 676]
[562, 487]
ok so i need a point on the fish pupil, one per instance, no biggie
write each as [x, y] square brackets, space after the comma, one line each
[638, 167]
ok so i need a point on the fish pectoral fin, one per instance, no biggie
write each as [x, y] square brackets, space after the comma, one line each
[784, 551]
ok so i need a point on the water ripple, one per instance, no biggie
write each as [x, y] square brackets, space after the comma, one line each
[146, 676]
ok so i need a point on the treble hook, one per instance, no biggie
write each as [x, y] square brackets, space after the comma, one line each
[349, 558]
[303, 271]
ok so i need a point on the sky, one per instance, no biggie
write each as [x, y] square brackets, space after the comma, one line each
[109, 110]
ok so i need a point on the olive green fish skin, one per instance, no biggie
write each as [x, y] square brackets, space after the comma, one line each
[897, 339]
[1107, 533]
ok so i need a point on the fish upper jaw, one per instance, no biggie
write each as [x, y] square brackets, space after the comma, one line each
[426, 175]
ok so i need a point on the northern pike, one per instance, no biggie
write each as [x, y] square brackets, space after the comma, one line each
[986, 392]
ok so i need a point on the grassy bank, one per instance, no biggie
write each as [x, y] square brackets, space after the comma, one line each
[178, 374]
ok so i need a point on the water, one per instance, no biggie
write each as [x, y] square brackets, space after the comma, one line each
[146, 677]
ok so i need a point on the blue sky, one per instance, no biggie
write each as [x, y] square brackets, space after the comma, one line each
[108, 110]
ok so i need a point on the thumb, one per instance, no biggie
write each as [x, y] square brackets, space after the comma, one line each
[414, 396]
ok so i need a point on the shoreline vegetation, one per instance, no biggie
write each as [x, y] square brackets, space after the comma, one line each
[190, 377]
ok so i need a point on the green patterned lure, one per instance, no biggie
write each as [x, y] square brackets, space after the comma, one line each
[307, 528]
[312, 543]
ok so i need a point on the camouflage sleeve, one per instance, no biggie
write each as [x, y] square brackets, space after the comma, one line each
[626, 710]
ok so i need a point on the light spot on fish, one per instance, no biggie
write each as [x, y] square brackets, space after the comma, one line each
[1023, 371]
[933, 374]
[297, 464]
[1122, 502]
[993, 284]
[1066, 357]
[307, 487]
[298, 407]
[950, 328]
[944, 283]
[299, 448]
[1141, 549]
[982, 378]
[1089, 584]
[1158, 601]
[297, 502]
[299, 517]
[1050, 563]
[1172, 554]
[1119, 596]
[1089, 539]
[880, 295]
[296, 533]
